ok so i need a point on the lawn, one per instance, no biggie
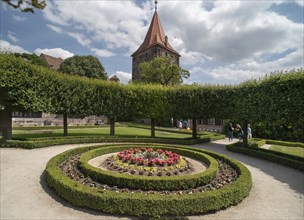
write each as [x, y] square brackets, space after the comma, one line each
[100, 131]
[298, 151]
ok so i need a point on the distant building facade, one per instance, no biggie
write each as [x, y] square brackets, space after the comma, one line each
[155, 44]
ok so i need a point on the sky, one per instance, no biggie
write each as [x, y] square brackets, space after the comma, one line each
[220, 42]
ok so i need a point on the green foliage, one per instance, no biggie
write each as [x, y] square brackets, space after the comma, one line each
[32, 59]
[162, 70]
[275, 101]
[26, 5]
[297, 151]
[256, 143]
[47, 142]
[88, 66]
[153, 205]
[277, 157]
[150, 183]
[285, 143]
[273, 105]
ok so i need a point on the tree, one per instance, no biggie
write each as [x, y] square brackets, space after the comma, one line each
[162, 70]
[32, 59]
[26, 5]
[88, 66]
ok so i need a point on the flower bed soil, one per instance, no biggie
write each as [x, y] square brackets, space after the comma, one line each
[70, 168]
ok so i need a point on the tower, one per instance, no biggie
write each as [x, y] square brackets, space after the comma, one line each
[155, 44]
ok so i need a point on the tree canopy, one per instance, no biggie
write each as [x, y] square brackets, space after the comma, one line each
[32, 59]
[277, 98]
[88, 66]
[162, 70]
[26, 5]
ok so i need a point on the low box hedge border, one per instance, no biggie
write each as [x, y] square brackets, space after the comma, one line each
[285, 143]
[46, 142]
[277, 157]
[135, 204]
[148, 182]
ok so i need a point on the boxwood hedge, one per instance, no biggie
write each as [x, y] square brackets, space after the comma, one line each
[136, 204]
[52, 141]
[274, 156]
[149, 182]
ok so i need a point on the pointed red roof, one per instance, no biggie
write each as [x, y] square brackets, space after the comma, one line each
[155, 36]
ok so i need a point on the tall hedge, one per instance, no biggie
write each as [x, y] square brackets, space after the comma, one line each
[277, 98]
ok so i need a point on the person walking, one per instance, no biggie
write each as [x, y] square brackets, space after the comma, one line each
[230, 132]
[239, 131]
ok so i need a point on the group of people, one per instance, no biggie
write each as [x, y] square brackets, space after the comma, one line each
[183, 124]
[239, 131]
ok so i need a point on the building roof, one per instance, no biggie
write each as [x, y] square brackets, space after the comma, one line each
[115, 79]
[155, 36]
[53, 62]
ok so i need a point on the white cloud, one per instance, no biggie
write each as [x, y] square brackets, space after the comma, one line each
[118, 24]
[222, 41]
[55, 52]
[18, 18]
[7, 47]
[81, 39]
[55, 28]
[300, 2]
[102, 52]
[12, 36]
[124, 77]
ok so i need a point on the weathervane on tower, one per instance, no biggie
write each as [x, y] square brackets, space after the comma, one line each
[155, 5]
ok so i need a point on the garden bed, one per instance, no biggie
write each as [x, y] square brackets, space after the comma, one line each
[230, 185]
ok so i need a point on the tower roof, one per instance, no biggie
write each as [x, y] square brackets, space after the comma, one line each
[155, 36]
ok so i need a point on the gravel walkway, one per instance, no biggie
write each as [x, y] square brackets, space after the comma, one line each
[277, 191]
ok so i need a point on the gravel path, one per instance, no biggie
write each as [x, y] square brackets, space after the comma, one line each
[277, 191]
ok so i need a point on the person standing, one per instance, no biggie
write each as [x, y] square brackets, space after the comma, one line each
[239, 131]
[249, 132]
[230, 132]
[180, 125]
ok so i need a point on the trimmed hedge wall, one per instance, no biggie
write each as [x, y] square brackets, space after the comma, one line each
[49, 141]
[277, 157]
[147, 182]
[136, 204]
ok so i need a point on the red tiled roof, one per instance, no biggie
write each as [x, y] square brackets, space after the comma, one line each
[155, 36]
[53, 62]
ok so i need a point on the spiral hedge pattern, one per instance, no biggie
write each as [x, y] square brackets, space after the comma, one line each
[137, 204]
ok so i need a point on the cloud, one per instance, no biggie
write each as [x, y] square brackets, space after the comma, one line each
[7, 47]
[107, 22]
[12, 36]
[55, 52]
[55, 28]
[81, 39]
[123, 76]
[222, 41]
[18, 18]
[102, 52]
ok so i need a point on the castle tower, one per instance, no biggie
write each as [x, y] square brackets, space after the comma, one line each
[156, 44]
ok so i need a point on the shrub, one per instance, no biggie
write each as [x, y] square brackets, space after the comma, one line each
[277, 157]
[51, 141]
[153, 205]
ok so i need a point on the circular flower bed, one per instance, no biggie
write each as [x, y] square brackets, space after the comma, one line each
[148, 161]
[64, 174]
[158, 181]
